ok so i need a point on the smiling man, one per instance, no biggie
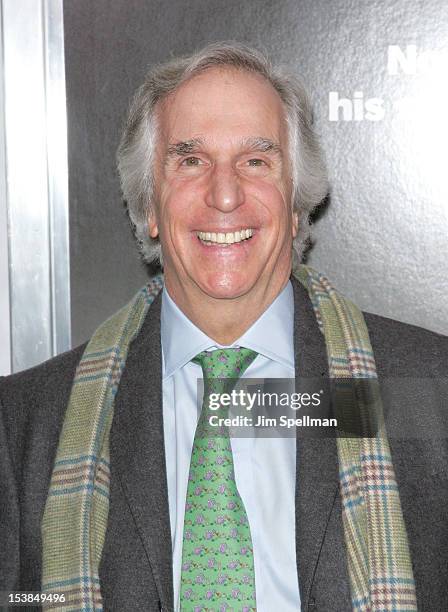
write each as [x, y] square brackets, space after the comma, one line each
[223, 190]
[116, 493]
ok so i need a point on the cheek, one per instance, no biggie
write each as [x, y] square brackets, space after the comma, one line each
[172, 212]
[180, 201]
[271, 201]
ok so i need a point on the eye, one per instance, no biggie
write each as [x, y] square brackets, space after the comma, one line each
[256, 162]
[191, 161]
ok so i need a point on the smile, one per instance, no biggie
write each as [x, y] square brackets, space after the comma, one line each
[220, 238]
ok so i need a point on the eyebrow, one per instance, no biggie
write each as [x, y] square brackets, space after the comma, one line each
[253, 143]
[264, 145]
[184, 147]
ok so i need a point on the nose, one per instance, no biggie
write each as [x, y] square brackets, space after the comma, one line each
[224, 191]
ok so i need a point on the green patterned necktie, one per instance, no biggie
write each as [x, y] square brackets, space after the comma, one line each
[217, 558]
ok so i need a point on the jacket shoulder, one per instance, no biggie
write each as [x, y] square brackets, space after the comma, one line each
[43, 381]
[33, 402]
[401, 349]
[64, 363]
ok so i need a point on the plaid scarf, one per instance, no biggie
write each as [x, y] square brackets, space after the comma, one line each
[378, 558]
[76, 511]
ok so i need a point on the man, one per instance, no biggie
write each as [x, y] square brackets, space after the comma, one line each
[220, 168]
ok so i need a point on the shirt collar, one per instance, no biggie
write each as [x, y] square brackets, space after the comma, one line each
[271, 335]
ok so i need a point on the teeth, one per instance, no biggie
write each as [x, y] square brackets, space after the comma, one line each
[228, 238]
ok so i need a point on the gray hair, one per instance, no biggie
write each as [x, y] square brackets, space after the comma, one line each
[135, 154]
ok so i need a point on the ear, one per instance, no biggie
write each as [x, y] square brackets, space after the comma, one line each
[295, 224]
[153, 227]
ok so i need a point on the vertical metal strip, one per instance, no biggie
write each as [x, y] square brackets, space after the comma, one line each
[57, 174]
[36, 160]
[5, 317]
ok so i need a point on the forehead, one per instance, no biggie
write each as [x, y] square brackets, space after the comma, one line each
[222, 104]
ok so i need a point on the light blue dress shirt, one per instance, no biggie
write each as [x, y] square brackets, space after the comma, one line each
[265, 468]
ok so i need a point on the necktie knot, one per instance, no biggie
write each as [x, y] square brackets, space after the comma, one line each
[225, 363]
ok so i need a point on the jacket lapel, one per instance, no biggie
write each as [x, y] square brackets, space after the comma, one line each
[316, 469]
[138, 450]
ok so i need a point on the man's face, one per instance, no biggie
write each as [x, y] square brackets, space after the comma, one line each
[223, 188]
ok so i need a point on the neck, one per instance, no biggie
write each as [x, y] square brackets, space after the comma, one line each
[226, 320]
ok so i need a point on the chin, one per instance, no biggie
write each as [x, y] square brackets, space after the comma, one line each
[225, 286]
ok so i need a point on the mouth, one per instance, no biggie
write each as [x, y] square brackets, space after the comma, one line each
[225, 239]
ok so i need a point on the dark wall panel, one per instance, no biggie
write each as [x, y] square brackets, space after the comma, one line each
[382, 239]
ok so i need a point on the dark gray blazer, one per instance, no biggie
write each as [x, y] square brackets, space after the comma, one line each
[136, 566]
